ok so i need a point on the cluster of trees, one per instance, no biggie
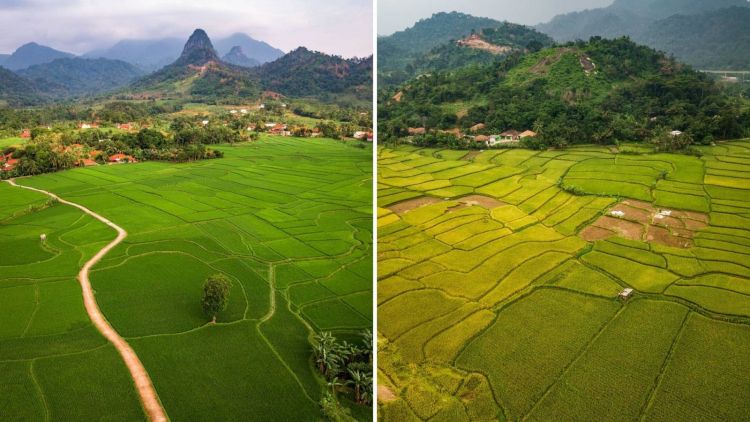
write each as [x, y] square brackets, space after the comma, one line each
[49, 150]
[37, 157]
[632, 94]
[346, 367]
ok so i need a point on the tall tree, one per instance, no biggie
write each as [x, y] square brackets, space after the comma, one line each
[215, 295]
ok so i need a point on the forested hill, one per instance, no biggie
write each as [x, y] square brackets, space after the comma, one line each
[304, 73]
[713, 34]
[76, 76]
[714, 40]
[17, 91]
[432, 44]
[599, 91]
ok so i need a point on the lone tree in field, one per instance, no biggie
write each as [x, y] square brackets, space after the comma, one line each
[215, 295]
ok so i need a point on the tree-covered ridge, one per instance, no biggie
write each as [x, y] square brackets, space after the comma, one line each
[712, 34]
[599, 91]
[32, 53]
[498, 43]
[17, 91]
[304, 73]
[398, 50]
[76, 76]
[713, 40]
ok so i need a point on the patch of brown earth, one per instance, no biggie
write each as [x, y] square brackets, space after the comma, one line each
[482, 201]
[667, 221]
[385, 394]
[624, 228]
[411, 204]
[632, 213]
[641, 204]
[662, 236]
[587, 65]
[471, 155]
[397, 97]
[477, 43]
[638, 220]
[593, 233]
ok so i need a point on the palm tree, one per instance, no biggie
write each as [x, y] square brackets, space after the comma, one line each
[358, 380]
[334, 384]
[367, 343]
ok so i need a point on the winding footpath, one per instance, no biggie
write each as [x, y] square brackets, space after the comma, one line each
[144, 387]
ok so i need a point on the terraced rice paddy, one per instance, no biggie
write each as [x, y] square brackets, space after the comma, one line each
[511, 312]
[289, 221]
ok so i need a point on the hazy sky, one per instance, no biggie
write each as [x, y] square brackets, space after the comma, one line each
[341, 27]
[395, 15]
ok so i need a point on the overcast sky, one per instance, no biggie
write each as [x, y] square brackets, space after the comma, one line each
[395, 15]
[341, 27]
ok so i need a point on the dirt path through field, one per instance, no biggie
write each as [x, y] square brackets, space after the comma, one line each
[146, 391]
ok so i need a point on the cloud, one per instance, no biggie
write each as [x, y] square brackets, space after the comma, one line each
[341, 27]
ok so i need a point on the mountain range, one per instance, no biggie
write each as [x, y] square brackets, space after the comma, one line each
[148, 55]
[707, 34]
[198, 73]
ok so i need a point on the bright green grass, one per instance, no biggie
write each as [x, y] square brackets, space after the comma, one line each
[272, 215]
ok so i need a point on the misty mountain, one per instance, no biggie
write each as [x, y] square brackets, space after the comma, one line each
[148, 55]
[31, 54]
[237, 56]
[254, 49]
[199, 73]
[715, 28]
[151, 55]
[77, 76]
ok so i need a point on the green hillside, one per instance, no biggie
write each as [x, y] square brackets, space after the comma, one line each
[613, 90]
[76, 76]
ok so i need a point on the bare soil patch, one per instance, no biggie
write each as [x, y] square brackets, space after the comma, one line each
[385, 394]
[411, 204]
[482, 201]
[471, 155]
[593, 233]
[625, 228]
[638, 220]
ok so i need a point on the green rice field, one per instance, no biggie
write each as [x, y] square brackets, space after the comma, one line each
[499, 275]
[288, 220]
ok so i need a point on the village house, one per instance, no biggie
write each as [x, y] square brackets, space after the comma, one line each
[204, 122]
[26, 134]
[270, 125]
[511, 135]
[280, 129]
[370, 137]
[121, 158]
[7, 162]
[316, 133]
[675, 133]
[360, 134]
[232, 111]
[125, 126]
[482, 139]
[243, 111]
